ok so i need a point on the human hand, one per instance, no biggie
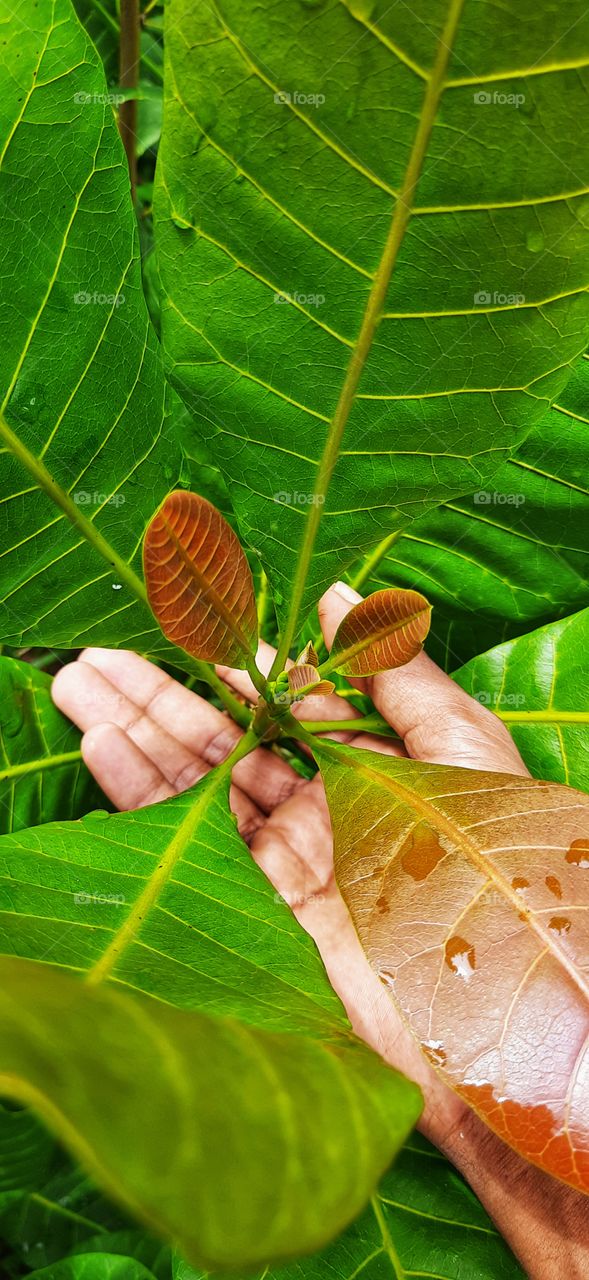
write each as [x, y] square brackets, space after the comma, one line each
[147, 737]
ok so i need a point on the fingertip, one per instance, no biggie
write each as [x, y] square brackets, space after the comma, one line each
[333, 606]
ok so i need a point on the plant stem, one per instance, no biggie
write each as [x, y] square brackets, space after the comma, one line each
[256, 677]
[129, 58]
[370, 563]
[363, 724]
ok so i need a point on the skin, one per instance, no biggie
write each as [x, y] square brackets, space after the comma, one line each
[147, 738]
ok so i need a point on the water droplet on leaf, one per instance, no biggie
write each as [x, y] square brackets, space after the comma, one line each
[534, 242]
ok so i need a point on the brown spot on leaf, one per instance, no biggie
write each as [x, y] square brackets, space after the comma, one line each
[460, 956]
[560, 924]
[382, 904]
[554, 885]
[578, 853]
[519, 882]
[433, 1050]
[421, 852]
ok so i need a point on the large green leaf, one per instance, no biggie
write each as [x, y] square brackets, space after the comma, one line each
[86, 451]
[42, 776]
[241, 1146]
[538, 685]
[168, 902]
[401, 367]
[423, 1221]
[513, 556]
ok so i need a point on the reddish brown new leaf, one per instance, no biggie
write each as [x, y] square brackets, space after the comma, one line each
[385, 630]
[470, 894]
[304, 677]
[199, 582]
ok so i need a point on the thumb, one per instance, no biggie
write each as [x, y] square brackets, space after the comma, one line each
[334, 606]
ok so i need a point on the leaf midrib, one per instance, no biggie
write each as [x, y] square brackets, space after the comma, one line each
[444, 825]
[371, 319]
[376, 637]
[45, 481]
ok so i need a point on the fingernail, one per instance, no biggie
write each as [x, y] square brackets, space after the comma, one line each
[347, 593]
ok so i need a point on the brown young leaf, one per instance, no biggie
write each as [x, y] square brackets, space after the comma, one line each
[199, 582]
[305, 678]
[385, 630]
[470, 894]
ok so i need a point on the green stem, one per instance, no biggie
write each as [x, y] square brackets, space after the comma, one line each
[363, 724]
[237, 710]
[256, 677]
[371, 562]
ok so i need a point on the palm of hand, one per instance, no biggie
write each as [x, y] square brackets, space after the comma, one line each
[147, 737]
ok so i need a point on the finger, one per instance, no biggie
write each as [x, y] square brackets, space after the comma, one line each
[131, 780]
[437, 720]
[122, 687]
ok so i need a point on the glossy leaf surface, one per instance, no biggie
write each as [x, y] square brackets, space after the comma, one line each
[199, 582]
[157, 900]
[538, 685]
[512, 556]
[42, 775]
[403, 312]
[87, 452]
[385, 630]
[447, 872]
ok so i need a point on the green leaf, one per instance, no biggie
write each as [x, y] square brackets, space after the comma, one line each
[399, 368]
[92, 1266]
[423, 1221]
[87, 454]
[167, 901]
[26, 1151]
[60, 1214]
[42, 776]
[517, 560]
[240, 1146]
[538, 686]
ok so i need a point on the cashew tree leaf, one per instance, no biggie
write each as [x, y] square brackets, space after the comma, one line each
[422, 1221]
[42, 775]
[402, 311]
[514, 555]
[537, 684]
[199, 583]
[201, 1035]
[446, 871]
[87, 452]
